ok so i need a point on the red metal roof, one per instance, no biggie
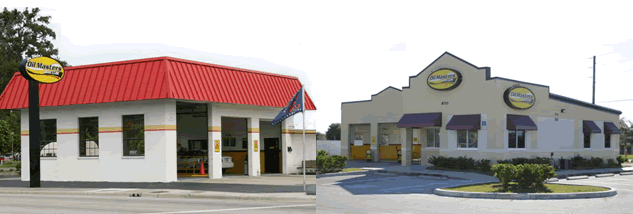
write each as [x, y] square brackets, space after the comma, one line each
[157, 78]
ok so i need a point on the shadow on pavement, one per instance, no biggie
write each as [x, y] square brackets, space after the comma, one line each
[237, 188]
[382, 183]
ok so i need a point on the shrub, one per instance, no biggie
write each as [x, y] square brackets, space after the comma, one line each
[483, 165]
[578, 161]
[327, 164]
[596, 161]
[322, 153]
[18, 167]
[541, 160]
[505, 172]
[533, 175]
[504, 161]
[622, 159]
[465, 163]
[611, 162]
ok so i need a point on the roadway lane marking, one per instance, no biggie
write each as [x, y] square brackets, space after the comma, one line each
[237, 209]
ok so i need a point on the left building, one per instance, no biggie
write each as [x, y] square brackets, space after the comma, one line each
[127, 121]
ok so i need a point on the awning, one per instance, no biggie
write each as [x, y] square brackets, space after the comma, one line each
[461, 122]
[520, 122]
[420, 120]
[589, 126]
[610, 128]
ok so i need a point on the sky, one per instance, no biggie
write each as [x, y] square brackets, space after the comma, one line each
[348, 50]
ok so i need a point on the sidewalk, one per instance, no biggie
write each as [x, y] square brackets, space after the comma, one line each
[266, 187]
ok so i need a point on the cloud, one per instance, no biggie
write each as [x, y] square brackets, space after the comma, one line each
[399, 47]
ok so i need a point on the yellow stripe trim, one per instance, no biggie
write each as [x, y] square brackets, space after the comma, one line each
[251, 130]
[214, 129]
[160, 127]
[298, 131]
[67, 131]
[110, 129]
[25, 132]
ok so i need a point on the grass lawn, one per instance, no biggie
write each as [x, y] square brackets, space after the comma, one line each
[9, 164]
[629, 156]
[549, 188]
[351, 170]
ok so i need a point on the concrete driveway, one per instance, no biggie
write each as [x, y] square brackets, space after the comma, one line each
[384, 193]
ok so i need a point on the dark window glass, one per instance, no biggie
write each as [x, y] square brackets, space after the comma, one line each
[521, 139]
[607, 140]
[48, 138]
[473, 138]
[133, 135]
[462, 138]
[89, 137]
[587, 140]
[512, 139]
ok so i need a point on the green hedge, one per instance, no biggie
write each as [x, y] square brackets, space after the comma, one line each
[327, 164]
[518, 161]
[463, 163]
[526, 175]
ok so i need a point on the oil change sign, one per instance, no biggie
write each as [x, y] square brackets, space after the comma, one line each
[42, 70]
[519, 97]
[444, 79]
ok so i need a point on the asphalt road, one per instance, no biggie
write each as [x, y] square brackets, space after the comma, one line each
[86, 204]
[406, 194]
[221, 187]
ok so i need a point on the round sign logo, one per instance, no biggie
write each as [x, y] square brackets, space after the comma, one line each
[42, 69]
[444, 79]
[519, 97]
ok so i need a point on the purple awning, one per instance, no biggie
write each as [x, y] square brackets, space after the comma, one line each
[520, 122]
[589, 126]
[420, 120]
[610, 128]
[461, 122]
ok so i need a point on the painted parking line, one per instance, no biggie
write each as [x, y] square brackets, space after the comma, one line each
[238, 209]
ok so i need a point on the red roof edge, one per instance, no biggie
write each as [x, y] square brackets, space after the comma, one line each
[228, 67]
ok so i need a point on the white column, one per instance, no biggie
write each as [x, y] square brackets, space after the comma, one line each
[405, 139]
[215, 143]
[286, 141]
[254, 147]
[375, 148]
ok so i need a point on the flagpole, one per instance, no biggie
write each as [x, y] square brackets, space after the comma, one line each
[303, 105]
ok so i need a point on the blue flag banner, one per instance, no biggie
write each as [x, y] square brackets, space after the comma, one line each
[295, 105]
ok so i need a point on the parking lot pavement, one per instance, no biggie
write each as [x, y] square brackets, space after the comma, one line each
[378, 193]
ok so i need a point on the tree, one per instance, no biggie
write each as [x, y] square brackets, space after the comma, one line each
[320, 136]
[626, 129]
[334, 132]
[22, 34]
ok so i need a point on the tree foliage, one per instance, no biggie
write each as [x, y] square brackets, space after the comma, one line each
[23, 34]
[320, 136]
[334, 132]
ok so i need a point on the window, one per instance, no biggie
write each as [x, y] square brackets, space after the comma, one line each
[516, 139]
[432, 137]
[133, 135]
[607, 140]
[89, 137]
[48, 138]
[467, 138]
[587, 140]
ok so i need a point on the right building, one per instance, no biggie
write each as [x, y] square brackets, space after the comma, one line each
[453, 108]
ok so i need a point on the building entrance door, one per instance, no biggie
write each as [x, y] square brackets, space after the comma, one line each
[271, 155]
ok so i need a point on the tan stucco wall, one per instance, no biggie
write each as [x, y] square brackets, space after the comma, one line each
[475, 95]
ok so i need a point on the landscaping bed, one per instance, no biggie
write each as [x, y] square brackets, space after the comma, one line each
[515, 188]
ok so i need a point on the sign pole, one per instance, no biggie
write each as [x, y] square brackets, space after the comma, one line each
[34, 133]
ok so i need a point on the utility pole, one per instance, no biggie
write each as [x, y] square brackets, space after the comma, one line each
[593, 98]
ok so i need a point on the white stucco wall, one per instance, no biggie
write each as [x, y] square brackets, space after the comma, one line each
[158, 164]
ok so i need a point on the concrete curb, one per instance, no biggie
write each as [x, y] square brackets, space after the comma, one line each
[342, 174]
[605, 175]
[626, 173]
[137, 193]
[524, 196]
[9, 175]
[578, 177]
